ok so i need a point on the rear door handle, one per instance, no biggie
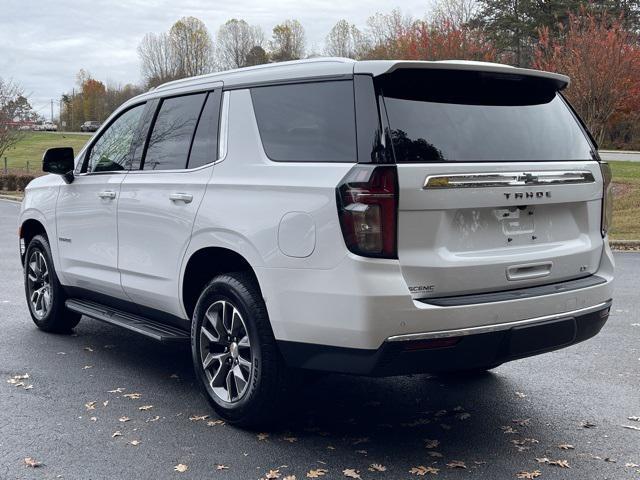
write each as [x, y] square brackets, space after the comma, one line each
[107, 194]
[181, 197]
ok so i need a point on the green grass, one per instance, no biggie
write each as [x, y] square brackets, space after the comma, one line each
[31, 147]
[626, 201]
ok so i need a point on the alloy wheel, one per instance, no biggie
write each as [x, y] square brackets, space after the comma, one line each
[38, 284]
[225, 351]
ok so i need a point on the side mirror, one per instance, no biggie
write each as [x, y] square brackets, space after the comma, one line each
[60, 161]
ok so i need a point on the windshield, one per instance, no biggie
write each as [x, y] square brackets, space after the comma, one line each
[463, 116]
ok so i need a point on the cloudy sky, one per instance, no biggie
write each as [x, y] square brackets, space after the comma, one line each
[44, 43]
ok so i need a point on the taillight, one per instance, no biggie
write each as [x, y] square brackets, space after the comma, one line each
[607, 198]
[367, 201]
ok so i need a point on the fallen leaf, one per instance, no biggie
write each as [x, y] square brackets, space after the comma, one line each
[262, 436]
[522, 422]
[631, 427]
[221, 467]
[116, 434]
[290, 439]
[272, 474]
[557, 463]
[358, 441]
[133, 396]
[289, 477]
[153, 419]
[631, 465]
[88, 349]
[319, 472]
[351, 473]
[566, 446]
[124, 419]
[421, 470]
[434, 454]
[456, 464]
[105, 403]
[135, 443]
[197, 418]
[32, 462]
[181, 467]
[521, 395]
[588, 424]
[94, 419]
[431, 443]
[376, 467]
[87, 367]
[117, 390]
[213, 423]
[508, 429]
[144, 408]
[90, 405]
[361, 452]
[529, 475]
[634, 419]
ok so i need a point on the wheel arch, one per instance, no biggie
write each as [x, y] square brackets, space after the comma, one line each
[29, 229]
[203, 265]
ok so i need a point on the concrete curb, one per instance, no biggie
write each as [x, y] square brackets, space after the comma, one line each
[11, 198]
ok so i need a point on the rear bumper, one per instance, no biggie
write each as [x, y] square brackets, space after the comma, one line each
[451, 350]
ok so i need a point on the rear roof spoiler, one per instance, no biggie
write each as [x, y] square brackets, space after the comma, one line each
[382, 67]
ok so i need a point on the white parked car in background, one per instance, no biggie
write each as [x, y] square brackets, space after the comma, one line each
[375, 217]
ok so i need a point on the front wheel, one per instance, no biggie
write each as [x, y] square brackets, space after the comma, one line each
[45, 295]
[234, 352]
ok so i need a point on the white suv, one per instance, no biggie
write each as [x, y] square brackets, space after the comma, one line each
[374, 217]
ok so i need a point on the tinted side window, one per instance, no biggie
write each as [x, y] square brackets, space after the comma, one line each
[111, 151]
[205, 142]
[172, 132]
[307, 122]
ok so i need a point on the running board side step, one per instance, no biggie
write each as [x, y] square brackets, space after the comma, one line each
[134, 323]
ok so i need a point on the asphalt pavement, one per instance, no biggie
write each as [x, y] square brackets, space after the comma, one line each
[75, 420]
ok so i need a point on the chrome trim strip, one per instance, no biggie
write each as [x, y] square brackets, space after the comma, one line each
[224, 128]
[508, 179]
[461, 332]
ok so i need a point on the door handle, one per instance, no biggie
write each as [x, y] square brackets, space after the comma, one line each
[529, 271]
[181, 197]
[107, 194]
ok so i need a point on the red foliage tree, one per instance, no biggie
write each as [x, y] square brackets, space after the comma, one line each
[603, 61]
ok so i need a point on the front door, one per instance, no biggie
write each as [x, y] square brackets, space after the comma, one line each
[86, 210]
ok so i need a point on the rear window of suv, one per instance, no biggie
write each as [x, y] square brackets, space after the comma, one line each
[307, 122]
[462, 116]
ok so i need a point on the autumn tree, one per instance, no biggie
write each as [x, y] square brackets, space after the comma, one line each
[11, 106]
[603, 61]
[235, 40]
[446, 40]
[157, 57]
[192, 47]
[256, 56]
[288, 41]
[386, 34]
[345, 40]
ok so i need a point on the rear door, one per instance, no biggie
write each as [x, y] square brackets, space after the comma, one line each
[159, 201]
[499, 188]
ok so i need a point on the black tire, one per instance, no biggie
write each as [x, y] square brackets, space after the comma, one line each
[55, 318]
[267, 377]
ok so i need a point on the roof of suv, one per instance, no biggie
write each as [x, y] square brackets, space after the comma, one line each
[335, 67]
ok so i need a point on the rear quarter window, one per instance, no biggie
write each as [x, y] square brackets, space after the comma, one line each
[307, 122]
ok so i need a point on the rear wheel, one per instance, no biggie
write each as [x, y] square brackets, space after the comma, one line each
[45, 296]
[234, 352]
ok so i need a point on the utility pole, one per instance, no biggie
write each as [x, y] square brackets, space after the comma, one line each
[52, 110]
